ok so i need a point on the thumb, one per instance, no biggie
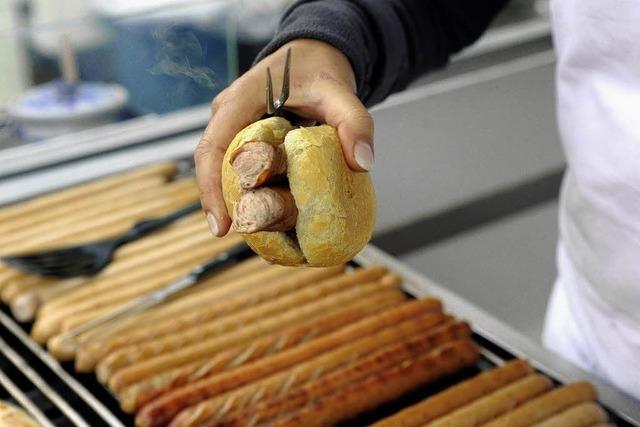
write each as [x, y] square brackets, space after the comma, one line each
[343, 110]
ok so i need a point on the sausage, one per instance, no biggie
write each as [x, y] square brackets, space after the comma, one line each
[147, 279]
[582, 415]
[495, 404]
[120, 274]
[167, 406]
[105, 224]
[219, 286]
[25, 306]
[89, 355]
[239, 333]
[280, 382]
[134, 396]
[546, 405]
[257, 162]
[265, 209]
[377, 362]
[77, 209]
[458, 395]
[165, 170]
[383, 387]
[65, 318]
[198, 332]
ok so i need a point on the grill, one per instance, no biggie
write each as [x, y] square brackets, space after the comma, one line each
[56, 396]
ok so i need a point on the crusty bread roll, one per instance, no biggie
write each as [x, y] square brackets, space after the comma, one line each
[12, 416]
[336, 206]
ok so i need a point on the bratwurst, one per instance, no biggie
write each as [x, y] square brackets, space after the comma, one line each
[257, 162]
[265, 209]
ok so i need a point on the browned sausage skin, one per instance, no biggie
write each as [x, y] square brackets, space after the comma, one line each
[265, 209]
[257, 162]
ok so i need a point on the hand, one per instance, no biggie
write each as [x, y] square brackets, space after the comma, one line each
[322, 88]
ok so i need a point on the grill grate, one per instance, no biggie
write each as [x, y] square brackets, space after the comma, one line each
[32, 379]
[58, 397]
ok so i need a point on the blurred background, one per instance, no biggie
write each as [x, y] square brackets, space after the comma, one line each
[468, 160]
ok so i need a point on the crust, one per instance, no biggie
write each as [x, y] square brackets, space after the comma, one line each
[275, 247]
[336, 205]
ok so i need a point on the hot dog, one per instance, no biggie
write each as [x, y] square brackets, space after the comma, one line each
[335, 206]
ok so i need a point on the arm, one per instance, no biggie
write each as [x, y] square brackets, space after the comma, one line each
[344, 52]
[388, 43]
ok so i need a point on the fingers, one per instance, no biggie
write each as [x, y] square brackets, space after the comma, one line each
[231, 114]
[343, 110]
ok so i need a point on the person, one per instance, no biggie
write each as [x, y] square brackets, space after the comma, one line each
[352, 54]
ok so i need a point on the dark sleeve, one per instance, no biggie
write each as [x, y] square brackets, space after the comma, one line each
[389, 42]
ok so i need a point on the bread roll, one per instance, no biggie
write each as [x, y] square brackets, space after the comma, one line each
[336, 206]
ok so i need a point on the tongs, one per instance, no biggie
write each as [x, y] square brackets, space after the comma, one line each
[90, 258]
[138, 305]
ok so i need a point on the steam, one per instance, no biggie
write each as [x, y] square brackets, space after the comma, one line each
[182, 55]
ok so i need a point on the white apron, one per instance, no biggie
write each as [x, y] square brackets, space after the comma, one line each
[593, 316]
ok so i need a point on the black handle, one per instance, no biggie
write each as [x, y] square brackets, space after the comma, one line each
[147, 226]
[236, 254]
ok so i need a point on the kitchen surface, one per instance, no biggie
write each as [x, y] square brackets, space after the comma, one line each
[467, 177]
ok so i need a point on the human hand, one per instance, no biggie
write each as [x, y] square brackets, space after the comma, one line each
[322, 89]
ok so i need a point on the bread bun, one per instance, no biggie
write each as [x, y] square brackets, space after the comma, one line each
[336, 206]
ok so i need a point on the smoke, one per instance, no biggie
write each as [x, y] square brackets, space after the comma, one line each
[182, 55]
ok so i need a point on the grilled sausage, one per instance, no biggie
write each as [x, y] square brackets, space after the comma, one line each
[257, 162]
[166, 407]
[89, 355]
[265, 209]
[546, 405]
[458, 395]
[582, 415]
[388, 385]
[495, 404]
[377, 362]
[138, 394]
[238, 334]
[305, 300]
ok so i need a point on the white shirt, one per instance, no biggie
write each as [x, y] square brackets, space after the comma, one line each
[594, 312]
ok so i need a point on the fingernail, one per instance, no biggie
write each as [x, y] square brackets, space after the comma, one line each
[213, 224]
[364, 155]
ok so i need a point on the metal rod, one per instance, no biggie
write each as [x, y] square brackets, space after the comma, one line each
[53, 364]
[23, 400]
[42, 385]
